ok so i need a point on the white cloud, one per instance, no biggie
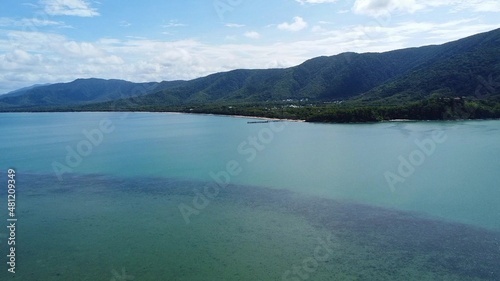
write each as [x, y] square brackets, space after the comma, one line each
[20, 57]
[318, 29]
[252, 35]
[28, 22]
[234, 25]
[478, 6]
[31, 5]
[79, 8]
[81, 50]
[385, 7]
[297, 25]
[174, 23]
[107, 60]
[302, 2]
[125, 23]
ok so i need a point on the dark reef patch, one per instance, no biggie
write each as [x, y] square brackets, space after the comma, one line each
[373, 240]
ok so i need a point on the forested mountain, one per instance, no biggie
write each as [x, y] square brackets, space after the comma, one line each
[80, 91]
[452, 69]
[469, 67]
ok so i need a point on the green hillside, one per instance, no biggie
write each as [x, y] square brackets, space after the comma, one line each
[460, 79]
[80, 91]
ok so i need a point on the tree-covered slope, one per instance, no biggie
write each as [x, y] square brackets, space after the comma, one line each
[471, 68]
[322, 79]
[407, 75]
[467, 67]
[80, 91]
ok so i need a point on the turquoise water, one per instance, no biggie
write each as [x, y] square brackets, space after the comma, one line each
[111, 196]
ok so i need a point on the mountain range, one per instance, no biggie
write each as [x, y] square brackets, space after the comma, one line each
[469, 68]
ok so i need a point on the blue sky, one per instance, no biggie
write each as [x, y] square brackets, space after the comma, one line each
[49, 41]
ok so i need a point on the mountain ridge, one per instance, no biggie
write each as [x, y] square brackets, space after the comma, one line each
[395, 77]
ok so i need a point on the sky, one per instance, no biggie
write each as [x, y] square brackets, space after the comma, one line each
[52, 41]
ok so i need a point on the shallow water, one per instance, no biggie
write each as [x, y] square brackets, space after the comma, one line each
[310, 191]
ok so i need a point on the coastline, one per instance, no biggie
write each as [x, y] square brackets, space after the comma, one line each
[167, 112]
[255, 117]
[250, 117]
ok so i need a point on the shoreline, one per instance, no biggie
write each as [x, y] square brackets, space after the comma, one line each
[166, 112]
[256, 117]
[248, 117]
